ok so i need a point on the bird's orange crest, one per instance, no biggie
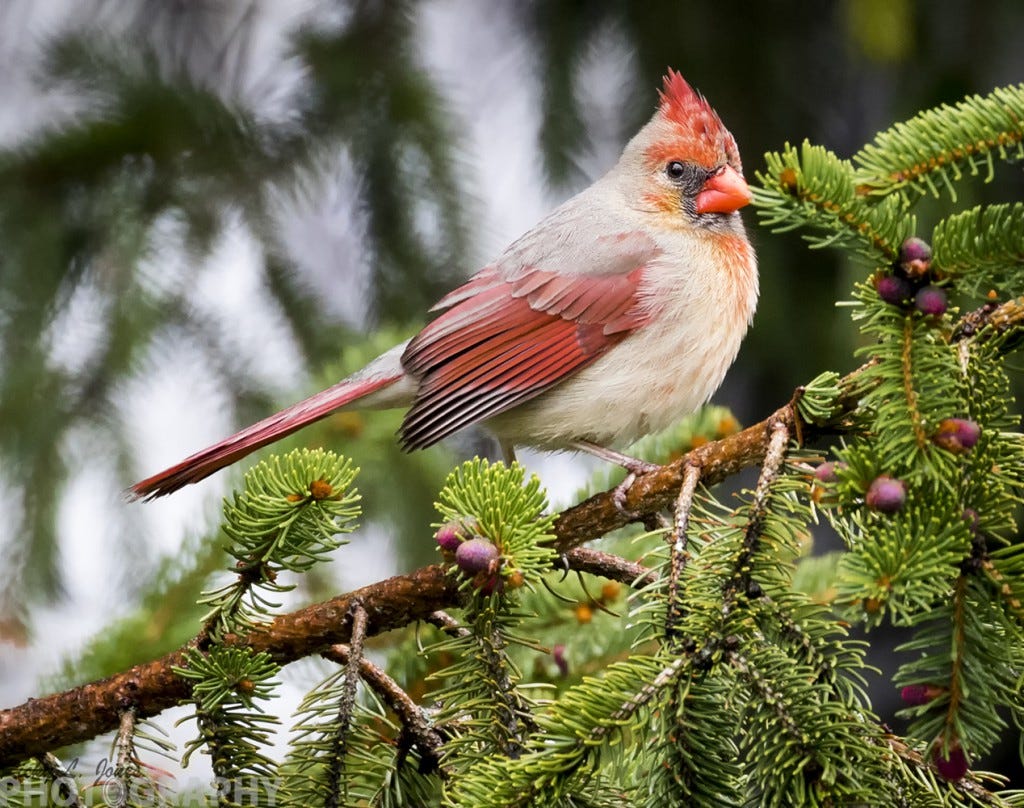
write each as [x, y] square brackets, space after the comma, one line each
[702, 133]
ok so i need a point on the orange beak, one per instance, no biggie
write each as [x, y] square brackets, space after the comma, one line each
[724, 192]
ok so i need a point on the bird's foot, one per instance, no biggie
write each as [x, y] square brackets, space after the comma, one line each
[619, 495]
[634, 467]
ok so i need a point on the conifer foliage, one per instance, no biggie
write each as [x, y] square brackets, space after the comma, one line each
[728, 676]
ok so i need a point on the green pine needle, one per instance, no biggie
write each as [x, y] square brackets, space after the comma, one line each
[287, 518]
[983, 248]
[812, 187]
[496, 502]
[938, 147]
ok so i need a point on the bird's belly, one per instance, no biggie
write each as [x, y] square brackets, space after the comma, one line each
[649, 380]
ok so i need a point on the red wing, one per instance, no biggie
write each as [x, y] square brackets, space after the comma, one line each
[504, 341]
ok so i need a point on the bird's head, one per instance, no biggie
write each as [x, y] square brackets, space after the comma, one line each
[684, 161]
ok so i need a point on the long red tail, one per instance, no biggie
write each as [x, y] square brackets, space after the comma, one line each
[213, 458]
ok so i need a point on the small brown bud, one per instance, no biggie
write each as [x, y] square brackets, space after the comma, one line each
[321, 489]
[349, 423]
[488, 583]
[788, 179]
[610, 591]
[728, 426]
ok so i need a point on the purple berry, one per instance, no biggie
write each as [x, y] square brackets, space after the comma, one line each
[449, 536]
[915, 257]
[886, 494]
[955, 766]
[916, 695]
[915, 249]
[476, 555]
[932, 301]
[956, 434]
[893, 289]
[826, 472]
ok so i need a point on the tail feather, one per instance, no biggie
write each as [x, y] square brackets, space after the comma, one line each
[213, 458]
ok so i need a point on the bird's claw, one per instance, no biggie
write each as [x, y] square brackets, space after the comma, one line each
[619, 493]
[636, 466]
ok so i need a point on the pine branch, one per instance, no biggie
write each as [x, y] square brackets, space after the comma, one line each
[956, 679]
[270, 533]
[969, 788]
[678, 547]
[983, 248]
[812, 187]
[934, 148]
[83, 712]
[336, 759]
[607, 565]
[772, 467]
[574, 729]
[907, 366]
[414, 722]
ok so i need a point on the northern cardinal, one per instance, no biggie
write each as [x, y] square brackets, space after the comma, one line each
[616, 314]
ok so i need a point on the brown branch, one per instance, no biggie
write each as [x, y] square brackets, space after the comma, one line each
[67, 788]
[124, 746]
[40, 725]
[657, 489]
[448, 624]
[607, 565]
[89, 710]
[346, 706]
[414, 722]
[679, 554]
[84, 712]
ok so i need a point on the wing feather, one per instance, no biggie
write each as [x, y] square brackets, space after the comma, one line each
[506, 337]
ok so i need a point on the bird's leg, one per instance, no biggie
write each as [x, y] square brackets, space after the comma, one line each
[633, 466]
[629, 463]
[508, 452]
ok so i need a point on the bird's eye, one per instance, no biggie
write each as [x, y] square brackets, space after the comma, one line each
[675, 170]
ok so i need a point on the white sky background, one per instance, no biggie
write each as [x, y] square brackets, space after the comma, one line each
[488, 79]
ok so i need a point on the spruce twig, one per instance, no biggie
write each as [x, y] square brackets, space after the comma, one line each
[608, 565]
[346, 705]
[678, 554]
[124, 744]
[64, 779]
[414, 721]
[770, 469]
[447, 623]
